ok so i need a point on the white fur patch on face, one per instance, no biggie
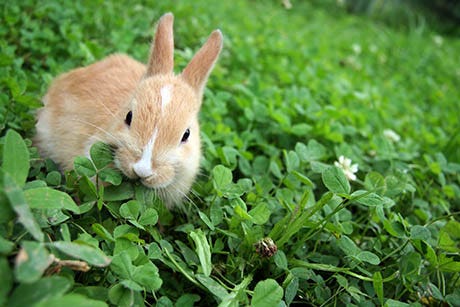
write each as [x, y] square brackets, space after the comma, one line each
[166, 95]
[143, 167]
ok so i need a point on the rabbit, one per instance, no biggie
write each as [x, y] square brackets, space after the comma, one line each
[147, 114]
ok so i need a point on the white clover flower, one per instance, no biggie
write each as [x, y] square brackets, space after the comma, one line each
[348, 168]
[287, 4]
[356, 48]
[438, 40]
[391, 135]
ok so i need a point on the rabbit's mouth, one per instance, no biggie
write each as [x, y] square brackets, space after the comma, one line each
[161, 177]
[151, 183]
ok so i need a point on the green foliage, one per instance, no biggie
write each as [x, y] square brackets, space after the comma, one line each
[277, 218]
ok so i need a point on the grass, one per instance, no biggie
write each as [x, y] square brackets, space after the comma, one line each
[273, 220]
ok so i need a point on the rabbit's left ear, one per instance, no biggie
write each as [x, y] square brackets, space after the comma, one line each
[161, 60]
[197, 71]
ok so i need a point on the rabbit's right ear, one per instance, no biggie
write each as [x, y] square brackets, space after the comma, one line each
[197, 71]
[161, 60]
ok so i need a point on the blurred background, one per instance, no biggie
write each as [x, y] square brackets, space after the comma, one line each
[442, 15]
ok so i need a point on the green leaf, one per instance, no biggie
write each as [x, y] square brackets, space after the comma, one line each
[453, 298]
[367, 199]
[291, 290]
[221, 177]
[206, 220]
[148, 217]
[334, 179]
[48, 198]
[43, 289]
[132, 285]
[74, 300]
[292, 161]
[394, 303]
[275, 169]
[32, 260]
[216, 214]
[17, 200]
[394, 228]
[228, 155]
[29, 101]
[241, 212]
[267, 293]
[314, 151]
[7, 280]
[124, 297]
[280, 260]
[446, 242]
[304, 179]
[203, 250]
[213, 286]
[130, 210]
[15, 158]
[260, 214]
[147, 276]
[301, 129]
[319, 167]
[111, 175]
[52, 217]
[187, 300]
[5, 246]
[154, 251]
[231, 300]
[342, 281]
[348, 246]
[94, 292]
[453, 229]
[418, 232]
[164, 301]
[34, 184]
[188, 254]
[101, 154]
[448, 264]
[122, 192]
[368, 257]
[93, 256]
[16, 86]
[409, 264]
[374, 182]
[84, 167]
[122, 265]
[124, 244]
[54, 178]
[87, 187]
[64, 231]
[6, 211]
[377, 281]
[102, 232]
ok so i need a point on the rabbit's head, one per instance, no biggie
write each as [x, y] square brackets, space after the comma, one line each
[160, 123]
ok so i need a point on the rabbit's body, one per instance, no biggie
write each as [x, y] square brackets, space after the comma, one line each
[148, 114]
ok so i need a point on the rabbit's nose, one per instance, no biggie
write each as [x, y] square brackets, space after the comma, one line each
[143, 168]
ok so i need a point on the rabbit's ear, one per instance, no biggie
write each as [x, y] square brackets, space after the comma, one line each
[161, 59]
[197, 71]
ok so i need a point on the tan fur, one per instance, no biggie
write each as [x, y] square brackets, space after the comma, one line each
[90, 104]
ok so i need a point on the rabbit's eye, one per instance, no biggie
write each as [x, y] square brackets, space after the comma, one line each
[129, 118]
[185, 136]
